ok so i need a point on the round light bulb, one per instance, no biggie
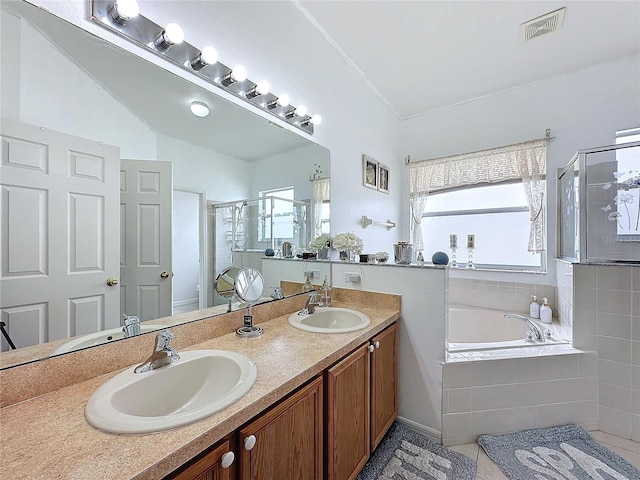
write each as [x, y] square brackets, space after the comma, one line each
[300, 111]
[209, 55]
[127, 9]
[173, 34]
[316, 119]
[283, 100]
[199, 109]
[239, 73]
[262, 88]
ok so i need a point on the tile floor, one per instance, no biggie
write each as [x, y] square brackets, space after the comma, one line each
[487, 470]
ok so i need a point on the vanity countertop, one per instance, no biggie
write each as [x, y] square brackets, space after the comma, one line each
[48, 436]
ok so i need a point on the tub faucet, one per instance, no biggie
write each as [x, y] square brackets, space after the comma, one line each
[310, 305]
[163, 354]
[534, 328]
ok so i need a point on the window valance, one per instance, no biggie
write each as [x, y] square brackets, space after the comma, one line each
[518, 161]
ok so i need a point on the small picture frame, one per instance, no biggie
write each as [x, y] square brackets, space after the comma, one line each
[383, 178]
[369, 172]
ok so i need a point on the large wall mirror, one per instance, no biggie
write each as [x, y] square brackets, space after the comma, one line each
[80, 113]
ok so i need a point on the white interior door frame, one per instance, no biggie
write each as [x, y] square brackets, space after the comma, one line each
[202, 241]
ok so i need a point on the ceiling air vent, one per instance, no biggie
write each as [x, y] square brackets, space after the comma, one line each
[545, 24]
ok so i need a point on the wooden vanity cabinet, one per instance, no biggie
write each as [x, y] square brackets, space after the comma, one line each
[285, 442]
[362, 403]
[215, 464]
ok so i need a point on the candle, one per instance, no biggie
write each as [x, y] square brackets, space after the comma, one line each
[453, 241]
[471, 241]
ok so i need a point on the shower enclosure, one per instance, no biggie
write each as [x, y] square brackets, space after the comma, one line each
[599, 205]
[244, 229]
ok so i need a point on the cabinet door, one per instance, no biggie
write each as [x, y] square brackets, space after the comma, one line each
[348, 415]
[286, 441]
[213, 465]
[384, 383]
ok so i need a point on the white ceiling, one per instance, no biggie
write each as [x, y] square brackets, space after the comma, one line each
[422, 55]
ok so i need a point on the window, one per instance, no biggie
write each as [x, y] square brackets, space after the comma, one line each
[283, 214]
[498, 195]
[498, 216]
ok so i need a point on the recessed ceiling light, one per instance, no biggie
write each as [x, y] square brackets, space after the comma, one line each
[199, 109]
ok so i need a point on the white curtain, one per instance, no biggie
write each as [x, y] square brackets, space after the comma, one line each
[523, 161]
[321, 194]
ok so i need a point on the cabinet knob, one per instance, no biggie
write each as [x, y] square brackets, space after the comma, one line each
[371, 348]
[227, 459]
[249, 442]
[377, 344]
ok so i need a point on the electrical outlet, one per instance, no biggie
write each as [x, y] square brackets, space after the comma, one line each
[352, 277]
[311, 273]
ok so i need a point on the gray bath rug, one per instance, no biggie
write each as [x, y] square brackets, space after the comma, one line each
[404, 454]
[564, 452]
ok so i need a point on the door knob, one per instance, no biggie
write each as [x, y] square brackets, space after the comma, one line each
[112, 282]
[164, 275]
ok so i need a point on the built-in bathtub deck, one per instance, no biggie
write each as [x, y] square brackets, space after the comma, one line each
[515, 352]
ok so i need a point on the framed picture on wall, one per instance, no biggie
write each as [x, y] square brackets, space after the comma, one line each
[369, 172]
[383, 178]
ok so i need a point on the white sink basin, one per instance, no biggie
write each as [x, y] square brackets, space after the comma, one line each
[330, 320]
[201, 383]
[98, 338]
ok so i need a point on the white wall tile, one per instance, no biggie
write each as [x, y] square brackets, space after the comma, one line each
[615, 349]
[615, 422]
[635, 377]
[459, 400]
[615, 373]
[587, 365]
[584, 276]
[584, 298]
[456, 425]
[635, 353]
[455, 375]
[587, 388]
[616, 277]
[613, 396]
[557, 391]
[635, 401]
[612, 325]
[635, 428]
[613, 301]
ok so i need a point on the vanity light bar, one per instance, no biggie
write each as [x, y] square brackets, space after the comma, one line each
[155, 38]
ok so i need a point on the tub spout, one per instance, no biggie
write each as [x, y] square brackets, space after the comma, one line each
[534, 328]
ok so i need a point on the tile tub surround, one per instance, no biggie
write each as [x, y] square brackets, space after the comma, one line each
[48, 436]
[498, 396]
[32, 379]
[607, 319]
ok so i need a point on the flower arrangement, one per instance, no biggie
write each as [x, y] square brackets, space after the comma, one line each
[348, 241]
[319, 242]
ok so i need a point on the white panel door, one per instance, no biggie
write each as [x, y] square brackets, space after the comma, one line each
[58, 205]
[145, 261]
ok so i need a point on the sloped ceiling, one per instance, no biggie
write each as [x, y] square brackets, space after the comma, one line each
[422, 55]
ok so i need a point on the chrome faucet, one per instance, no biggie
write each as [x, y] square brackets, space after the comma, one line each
[163, 354]
[310, 305]
[278, 293]
[131, 326]
[534, 328]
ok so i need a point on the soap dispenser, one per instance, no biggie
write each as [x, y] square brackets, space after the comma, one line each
[534, 308]
[325, 294]
[546, 315]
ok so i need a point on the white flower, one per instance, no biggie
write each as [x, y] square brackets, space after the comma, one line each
[319, 242]
[606, 186]
[606, 209]
[348, 241]
[613, 216]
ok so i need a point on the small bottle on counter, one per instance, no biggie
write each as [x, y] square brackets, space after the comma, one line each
[307, 287]
[534, 308]
[546, 315]
[325, 294]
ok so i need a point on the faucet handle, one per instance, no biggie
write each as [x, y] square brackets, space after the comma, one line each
[131, 325]
[163, 341]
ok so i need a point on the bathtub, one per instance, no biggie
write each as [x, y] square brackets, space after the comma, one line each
[473, 329]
